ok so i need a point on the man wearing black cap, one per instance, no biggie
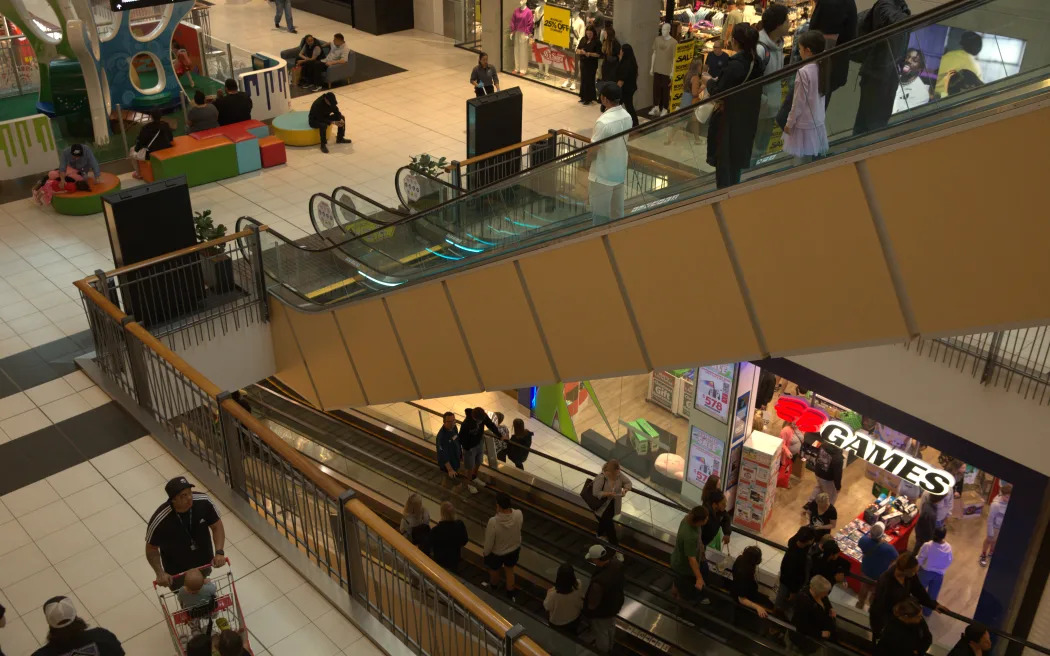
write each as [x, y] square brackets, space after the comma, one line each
[177, 536]
[79, 158]
[325, 112]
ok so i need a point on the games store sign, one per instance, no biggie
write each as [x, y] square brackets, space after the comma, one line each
[884, 456]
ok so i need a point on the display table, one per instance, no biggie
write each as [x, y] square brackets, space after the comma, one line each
[897, 537]
[81, 203]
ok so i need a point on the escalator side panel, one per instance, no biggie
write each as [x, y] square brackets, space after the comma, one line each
[369, 337]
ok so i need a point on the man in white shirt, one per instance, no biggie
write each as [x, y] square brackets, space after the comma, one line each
[608, 162]
[313, 70]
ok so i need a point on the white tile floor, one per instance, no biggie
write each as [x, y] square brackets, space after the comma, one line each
[81, 533]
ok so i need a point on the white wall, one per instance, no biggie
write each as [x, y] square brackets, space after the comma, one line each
[1040, 633]
[428, 15]
[999, 420]
[242, 356]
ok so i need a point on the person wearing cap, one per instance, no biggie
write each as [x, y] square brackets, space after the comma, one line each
[180, 533]
[604, 597]
[877, 556]
[70, 634]
[325, 112]
[80, 158]
[975, 641]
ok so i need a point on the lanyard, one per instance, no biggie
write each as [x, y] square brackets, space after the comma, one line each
[189, 531]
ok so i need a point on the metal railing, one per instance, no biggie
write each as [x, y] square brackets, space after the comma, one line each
[1015, 360]
[420, 603]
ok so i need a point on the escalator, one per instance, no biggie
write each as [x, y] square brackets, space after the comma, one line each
[651, 621]
[697, 255]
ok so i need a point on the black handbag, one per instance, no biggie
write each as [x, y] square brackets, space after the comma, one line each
[785, 108]
[587, 494]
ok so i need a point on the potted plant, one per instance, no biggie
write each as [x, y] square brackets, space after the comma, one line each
[217, 265]
[421, 191]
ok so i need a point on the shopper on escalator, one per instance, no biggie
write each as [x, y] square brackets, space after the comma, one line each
[813, 616]
[415, 523]
[610, 486]
[471, 438]
[879, 76]
[503, 545]
[828, 562]
[744, 586]
[899, 583]
[604, 597]
[837, 20]
[520, 443]
[448, 538]
[564, 601]
[719, 519]
[906, 634]
[793, 568]
[688, 560]
[975, 641]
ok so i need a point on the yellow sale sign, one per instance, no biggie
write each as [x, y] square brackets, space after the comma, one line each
[556, 26]
[683, 56]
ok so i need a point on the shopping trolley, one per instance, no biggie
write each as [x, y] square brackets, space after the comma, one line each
[223, 611]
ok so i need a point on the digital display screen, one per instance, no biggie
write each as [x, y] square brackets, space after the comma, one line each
[125, 5]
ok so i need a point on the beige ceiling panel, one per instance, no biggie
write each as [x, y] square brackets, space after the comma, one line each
[581, 311]
[327, 359]
[499, 327]
[432, 341]
[813, 263]
[967, 223]
[291, 369]
[683, 290]
[370, 338]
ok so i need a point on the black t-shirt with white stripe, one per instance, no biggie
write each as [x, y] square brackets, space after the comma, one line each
[175, 534]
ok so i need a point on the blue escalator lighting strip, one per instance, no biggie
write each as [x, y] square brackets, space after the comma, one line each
[537, 216]
[519, 223]
[465, 248]
[481, 241]
[379, 282]
[442, 255]
[505, 232]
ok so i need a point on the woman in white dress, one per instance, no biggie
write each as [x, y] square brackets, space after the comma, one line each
[805, 135]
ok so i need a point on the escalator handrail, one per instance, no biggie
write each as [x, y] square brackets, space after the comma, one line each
[379, 205]
[408, 168]
[942, 11]
[758, 538]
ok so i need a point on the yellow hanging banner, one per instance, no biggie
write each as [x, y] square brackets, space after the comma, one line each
[556, 26]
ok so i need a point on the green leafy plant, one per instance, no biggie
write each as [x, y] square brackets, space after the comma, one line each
[427, 164]
[208, 231]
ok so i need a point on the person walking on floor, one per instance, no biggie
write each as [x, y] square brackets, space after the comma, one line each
[627, 80]
[689, 558]
[181, 533]
[472, 439]
[926, 523]
[483, 77]
[805, 132]
[813, 616]
[877, 556]
[564, 601]
[610, 486]
[828, 470]
[731, 128]
[996, 513]
[935, 557]
[415, 523]
[324, 112]
[898, 583]
[69, 634]
[283, 6]
[975, 641]
[604, 597]
[448, 538]
[906, 633]
[608, 161]
[793, 567]
[503, 545]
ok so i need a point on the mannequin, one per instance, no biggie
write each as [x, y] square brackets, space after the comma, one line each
[537, 35]
[576, 28]
[520, 34]
[661, 67]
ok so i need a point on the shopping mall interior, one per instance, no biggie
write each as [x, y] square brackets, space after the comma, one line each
[217, 292]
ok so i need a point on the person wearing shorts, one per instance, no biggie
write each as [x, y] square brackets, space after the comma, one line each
[471, 437]
[503, 544]
[996, 512]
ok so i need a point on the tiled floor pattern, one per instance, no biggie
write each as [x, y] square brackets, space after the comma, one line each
[80, 533]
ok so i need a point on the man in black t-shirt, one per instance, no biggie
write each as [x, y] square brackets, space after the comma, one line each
[180, 533]
[69, 635]
[234, 106]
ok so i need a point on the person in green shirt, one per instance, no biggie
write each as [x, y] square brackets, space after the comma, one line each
[687, 560]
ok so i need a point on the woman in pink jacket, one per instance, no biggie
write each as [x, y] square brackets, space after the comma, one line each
[805, 136]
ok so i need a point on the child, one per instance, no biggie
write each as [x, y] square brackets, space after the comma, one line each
[231, 643]
[805, 136]
[183, 65]
[195, 590]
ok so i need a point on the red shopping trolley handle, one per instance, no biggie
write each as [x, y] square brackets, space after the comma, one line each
[203, 567]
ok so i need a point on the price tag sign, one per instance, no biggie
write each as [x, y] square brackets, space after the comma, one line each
[713, 386]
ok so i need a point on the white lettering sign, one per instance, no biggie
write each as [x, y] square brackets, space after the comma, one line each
[884, 456]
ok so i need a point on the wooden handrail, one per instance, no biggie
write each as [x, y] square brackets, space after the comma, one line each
[505, 149]
[168, 256]
[573, 135]
[98, 299]
[485, 613]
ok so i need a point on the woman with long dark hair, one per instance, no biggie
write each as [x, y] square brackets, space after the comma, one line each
[610, 55]
[564, 602]
[745, 585]
[67, 632]
[627, 80]
[731, 129]
[590, 51]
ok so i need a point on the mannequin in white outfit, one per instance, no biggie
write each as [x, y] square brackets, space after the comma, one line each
[537, 35]
[576, 30]
[520, 35]
[661, 67]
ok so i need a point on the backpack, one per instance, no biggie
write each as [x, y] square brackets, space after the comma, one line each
[865, 26]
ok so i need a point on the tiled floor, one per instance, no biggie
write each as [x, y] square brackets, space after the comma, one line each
[80, 533]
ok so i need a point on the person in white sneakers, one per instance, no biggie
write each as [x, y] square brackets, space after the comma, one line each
[996, 512]
[503, 544]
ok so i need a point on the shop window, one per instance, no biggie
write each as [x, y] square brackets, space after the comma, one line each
[147, 73]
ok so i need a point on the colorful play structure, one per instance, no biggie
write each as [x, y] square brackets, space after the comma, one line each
[93, 62]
